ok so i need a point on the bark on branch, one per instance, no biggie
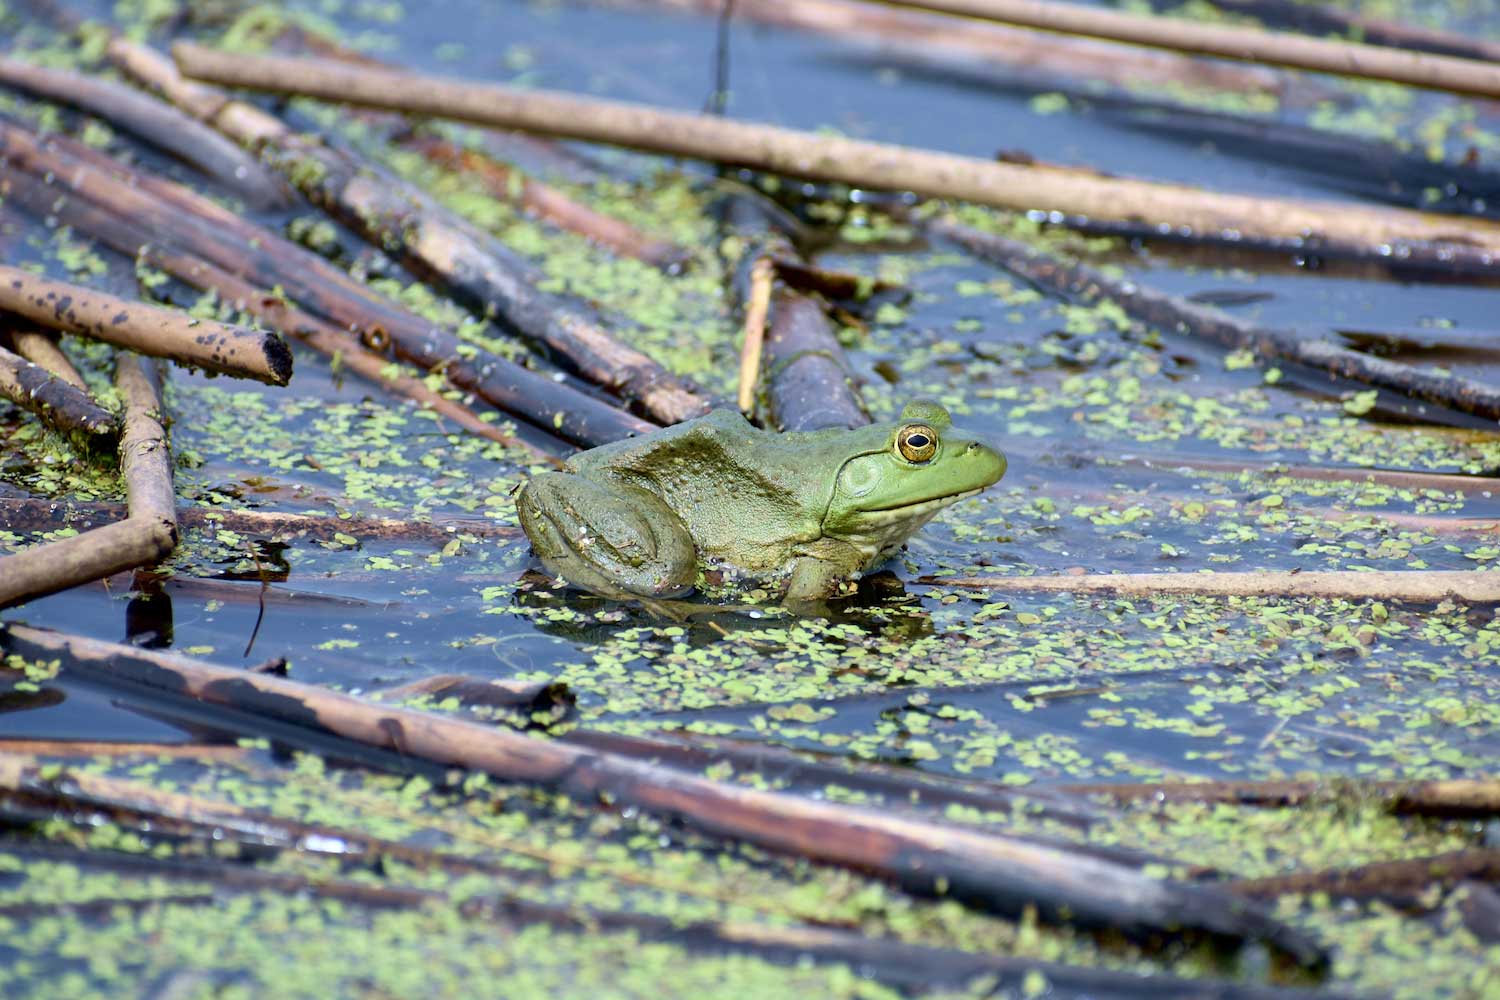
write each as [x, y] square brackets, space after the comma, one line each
[60, 405]
[1473, 586]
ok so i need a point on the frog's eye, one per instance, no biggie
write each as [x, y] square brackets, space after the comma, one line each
[917, 442]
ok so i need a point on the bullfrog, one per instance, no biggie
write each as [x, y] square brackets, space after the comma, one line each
[640, 517]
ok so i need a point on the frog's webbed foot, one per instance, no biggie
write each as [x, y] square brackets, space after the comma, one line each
[614, 541]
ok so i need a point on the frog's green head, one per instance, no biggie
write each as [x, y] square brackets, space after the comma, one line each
[900, 475]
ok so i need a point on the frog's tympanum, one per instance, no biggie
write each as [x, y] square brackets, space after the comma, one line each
[639, 517]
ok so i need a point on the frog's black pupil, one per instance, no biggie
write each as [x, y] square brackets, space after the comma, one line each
[917, 440]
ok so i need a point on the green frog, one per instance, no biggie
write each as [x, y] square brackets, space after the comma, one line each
[640, 517]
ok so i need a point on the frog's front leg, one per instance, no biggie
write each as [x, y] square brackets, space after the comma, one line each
[612, 540]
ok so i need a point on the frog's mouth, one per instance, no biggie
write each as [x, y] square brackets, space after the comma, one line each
[906, 511]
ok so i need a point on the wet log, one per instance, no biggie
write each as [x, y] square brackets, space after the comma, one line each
[61, 406]
[179, 219]
[810, 387]
[1470, 586]
[991, 870]
[155, 121]
[147, 536]
[1470, 77]
[477, 269]
[1237, 218]
[42, 348]
[162, 333]
[1453, 798]
[1327, 20]
[1081, 283]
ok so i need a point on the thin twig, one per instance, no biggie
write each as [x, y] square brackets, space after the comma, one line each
[762, 275]
[1461, 797]
[42, 348]
[59, 404]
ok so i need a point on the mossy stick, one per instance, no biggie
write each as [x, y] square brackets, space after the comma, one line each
[61, 406]
[1470, 77]
[164, 333]
[1374, 231]
[1401, 881]
[990, 870]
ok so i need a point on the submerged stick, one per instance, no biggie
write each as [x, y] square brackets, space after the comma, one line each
[866, 164]
[148, 535]
[1080, 283]
[43, 349]
[162, 333]
[1473, 586]
[999, 873]
[1402, 880]
[1273, 48]
[60, 405]
[156, 122]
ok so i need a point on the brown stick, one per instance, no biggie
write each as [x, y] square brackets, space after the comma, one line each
[1323, 19]
[1000, 873]
[757, 306]
[162, 333]
[506, 183]
[1452, 798]
[96, 748]
[1474, 586]
[866, 164]
[58, 404]
[1080, 283]
[156, 122]
[42, 349]
[1400, 879]
[180, 219]
[148, 535]
[927, 39]
[477, 269]
[810, 388]
[1370, 62]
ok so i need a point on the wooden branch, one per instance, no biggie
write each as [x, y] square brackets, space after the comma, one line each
[508, 184]
[42, 348]
[1080, 283]
[1401, 880]
[58, 404]
[1472, 586]
[997, 872]
[162, 333]
[1460, 797]
[147, 536]
[1380, 232]
[1326, 19]
[182, 220]
[912, 38]
[1369, 62]
[757, 306]
[481, 272]
[98, 748]
[156, 122]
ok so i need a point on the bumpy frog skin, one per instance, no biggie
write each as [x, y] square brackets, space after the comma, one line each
[638, 517]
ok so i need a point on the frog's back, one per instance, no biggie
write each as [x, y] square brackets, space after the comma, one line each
[740, 494]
